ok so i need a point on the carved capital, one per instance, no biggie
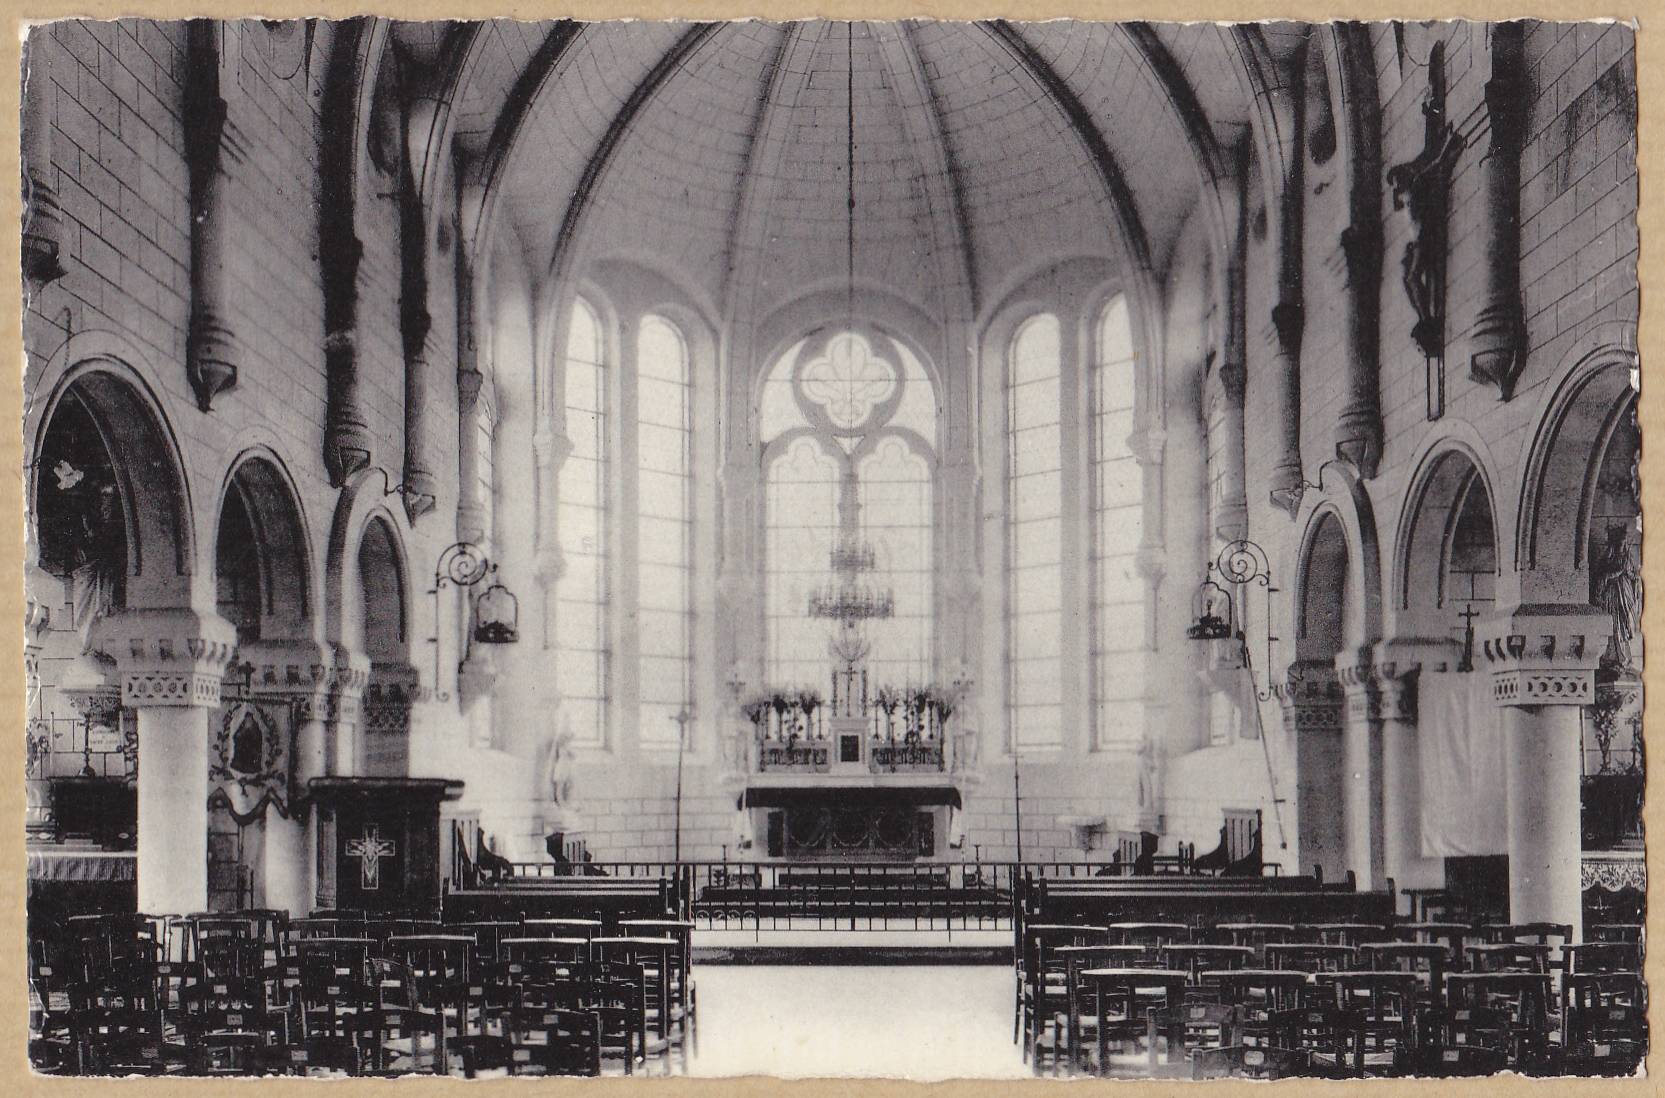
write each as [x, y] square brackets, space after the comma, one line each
[168, 657]
[1356, 672]
[1312, 697]
[388, 697]
[1544, 654]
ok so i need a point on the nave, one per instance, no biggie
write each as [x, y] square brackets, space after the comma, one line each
[1156, 975]
[846, 478]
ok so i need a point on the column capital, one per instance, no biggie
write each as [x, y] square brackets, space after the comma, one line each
[1398, 666]
[1356, 671]
[1312, 697]
[1544, 653]
[322, 680]
[170, 657]
[389, 695]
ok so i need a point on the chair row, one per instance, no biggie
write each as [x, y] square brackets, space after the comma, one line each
[1112, 1020]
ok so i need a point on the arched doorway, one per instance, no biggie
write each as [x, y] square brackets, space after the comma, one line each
[256, 851]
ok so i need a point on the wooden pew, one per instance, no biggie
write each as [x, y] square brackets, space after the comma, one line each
[557, 897]
[1205, 901]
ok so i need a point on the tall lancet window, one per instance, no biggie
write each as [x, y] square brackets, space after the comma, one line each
[1034, 535]
[849, 427]
[1118, 590]
[665, 530]
[581, 603]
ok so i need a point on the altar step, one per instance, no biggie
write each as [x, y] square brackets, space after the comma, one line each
[853, 947]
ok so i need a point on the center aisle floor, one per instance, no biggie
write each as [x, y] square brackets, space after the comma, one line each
[917, 1022]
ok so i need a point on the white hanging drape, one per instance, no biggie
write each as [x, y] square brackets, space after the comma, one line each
[1460, 755]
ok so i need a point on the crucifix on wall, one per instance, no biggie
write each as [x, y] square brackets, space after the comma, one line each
[1421, 187]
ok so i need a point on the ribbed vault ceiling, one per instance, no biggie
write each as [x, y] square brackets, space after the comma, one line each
[720, 154]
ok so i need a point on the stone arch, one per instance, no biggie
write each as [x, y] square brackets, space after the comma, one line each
[1595, 394]
[363, 502]
[260, 505]
[384, 594]
[96, 386]
[1452, 488]
[1345, 503]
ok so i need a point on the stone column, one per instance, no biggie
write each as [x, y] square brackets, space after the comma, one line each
[420, 482]
[1497, 342]
[171, 663]
[1543, 661]
[1399, 665]
[1362, 768]
[42, 217]
[1312, 714]
[473, 337]
[1283, 340]
[210, 147]
[299, 672]
[1358, 428]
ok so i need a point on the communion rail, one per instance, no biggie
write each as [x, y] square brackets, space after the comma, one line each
[730, 895]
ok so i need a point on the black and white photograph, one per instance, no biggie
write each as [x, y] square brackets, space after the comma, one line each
[818, 548]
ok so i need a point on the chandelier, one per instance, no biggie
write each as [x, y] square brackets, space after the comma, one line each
[847, 598]
[851, 602]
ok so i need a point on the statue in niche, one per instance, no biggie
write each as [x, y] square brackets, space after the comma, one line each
[1618, 590]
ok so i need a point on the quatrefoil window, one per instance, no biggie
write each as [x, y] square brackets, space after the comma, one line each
[848, 380]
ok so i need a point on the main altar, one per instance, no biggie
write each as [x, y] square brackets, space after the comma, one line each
[868, 771]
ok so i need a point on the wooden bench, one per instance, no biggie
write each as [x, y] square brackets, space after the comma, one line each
[589, 897]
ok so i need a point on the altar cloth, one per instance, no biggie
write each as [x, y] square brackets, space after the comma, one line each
[47, 864]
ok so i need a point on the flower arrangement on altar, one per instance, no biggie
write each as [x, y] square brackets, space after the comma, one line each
[787, 714]
[924, 712]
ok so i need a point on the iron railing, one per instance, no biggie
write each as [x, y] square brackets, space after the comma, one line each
[923, 895]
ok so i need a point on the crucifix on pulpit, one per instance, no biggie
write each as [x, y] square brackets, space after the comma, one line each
[370, 848]
[379, 844]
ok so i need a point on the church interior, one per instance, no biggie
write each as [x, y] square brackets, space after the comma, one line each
[575, 547]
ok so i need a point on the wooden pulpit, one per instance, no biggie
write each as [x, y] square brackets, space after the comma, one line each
[379, 843]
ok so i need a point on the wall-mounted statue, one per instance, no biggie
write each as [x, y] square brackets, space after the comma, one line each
[559, 766]
[1617, 588]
